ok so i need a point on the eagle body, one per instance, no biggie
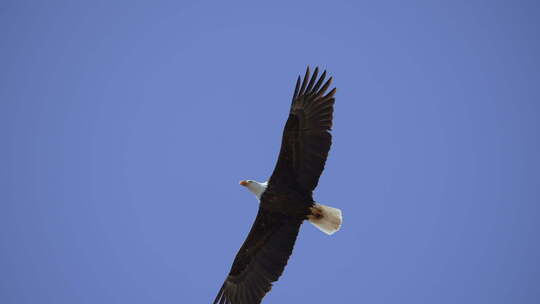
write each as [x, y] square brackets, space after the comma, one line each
[291, 203]
[286, 199]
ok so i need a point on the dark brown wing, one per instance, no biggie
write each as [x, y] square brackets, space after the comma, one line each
[261, 259]
[306, 137]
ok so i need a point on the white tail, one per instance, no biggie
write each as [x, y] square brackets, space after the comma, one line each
[326, 219]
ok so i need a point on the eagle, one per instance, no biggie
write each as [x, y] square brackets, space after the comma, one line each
[286, 199]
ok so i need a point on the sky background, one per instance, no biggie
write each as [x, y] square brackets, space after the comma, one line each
[126, 126]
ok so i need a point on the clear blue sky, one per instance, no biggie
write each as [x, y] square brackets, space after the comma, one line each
[125, 128]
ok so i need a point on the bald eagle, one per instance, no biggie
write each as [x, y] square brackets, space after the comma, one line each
[286, 200]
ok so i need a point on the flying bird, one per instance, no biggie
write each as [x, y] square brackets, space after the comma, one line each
[286, 200]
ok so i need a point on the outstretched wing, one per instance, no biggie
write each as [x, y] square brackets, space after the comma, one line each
[306, 137]
[261, 259]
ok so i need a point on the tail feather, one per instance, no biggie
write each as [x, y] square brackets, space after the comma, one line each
[325, 218]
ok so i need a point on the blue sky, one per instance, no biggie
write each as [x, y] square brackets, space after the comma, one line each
[125, 128]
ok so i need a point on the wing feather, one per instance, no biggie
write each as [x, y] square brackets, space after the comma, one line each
[306, 136]
[296, 89]
[313, 78]
[306, 77]
[261, 259]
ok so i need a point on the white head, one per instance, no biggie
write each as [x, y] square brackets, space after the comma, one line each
[255, 187]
